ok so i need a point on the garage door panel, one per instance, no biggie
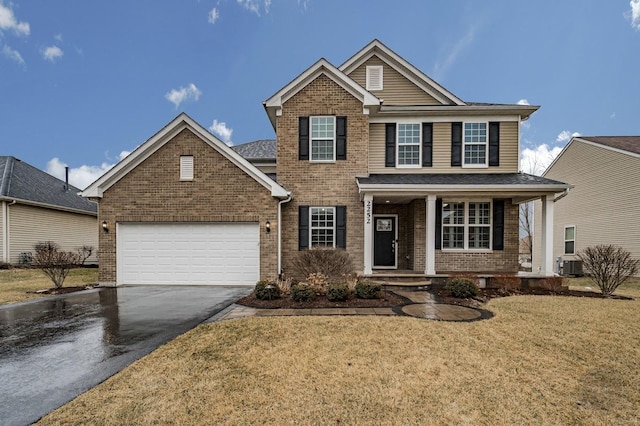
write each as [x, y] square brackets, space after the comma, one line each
[196, 254]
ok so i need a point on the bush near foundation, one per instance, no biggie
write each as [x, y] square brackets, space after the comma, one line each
[368, 290]
[333, 263]
[609, 266]
[266, 290]
[338, 292]
[462, 288]
[303, 293]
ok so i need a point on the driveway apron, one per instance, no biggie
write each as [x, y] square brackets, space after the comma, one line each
[54, 349]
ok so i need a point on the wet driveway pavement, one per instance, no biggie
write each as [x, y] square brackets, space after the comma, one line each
[54, 349]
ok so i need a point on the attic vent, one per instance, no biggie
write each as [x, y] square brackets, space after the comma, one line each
[186, 167]
[374, 77]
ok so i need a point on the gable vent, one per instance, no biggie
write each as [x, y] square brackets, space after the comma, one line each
[186, 167]
[374, 77]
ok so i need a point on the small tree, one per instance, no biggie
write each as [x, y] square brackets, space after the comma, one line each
[84, 253]
[54, 262]
[609, 265]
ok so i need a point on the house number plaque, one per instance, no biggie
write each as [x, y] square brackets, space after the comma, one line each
[367, 211]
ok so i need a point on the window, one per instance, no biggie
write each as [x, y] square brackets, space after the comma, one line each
[374, 77]
[323, 138]
[322, 226]
[186, 167]
[466, 225]
[570, 239]
[409, 145]
[475, 144]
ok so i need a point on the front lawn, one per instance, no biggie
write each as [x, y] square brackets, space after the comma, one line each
[540, 360]
[18, 285]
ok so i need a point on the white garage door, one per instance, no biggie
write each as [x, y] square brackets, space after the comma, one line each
[188, 253]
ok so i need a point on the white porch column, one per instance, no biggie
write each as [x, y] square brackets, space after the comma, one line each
[368, 234]
[546, 244]
[430, 248]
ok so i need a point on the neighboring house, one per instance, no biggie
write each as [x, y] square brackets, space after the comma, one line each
[372, 156]
[601, 208]
[35, 207]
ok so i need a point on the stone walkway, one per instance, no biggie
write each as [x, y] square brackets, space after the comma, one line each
[423, 306]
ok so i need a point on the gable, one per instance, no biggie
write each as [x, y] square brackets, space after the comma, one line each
[166, 135]
[397, 89]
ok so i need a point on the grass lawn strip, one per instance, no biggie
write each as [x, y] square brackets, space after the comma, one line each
[18, 285]
[540, 360]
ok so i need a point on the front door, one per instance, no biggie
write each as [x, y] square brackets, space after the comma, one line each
[384, 242]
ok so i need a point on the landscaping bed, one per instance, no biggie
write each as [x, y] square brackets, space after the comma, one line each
[388, 299]
[64, 290]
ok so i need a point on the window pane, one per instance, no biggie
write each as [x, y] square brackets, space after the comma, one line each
[322, 221]
[479, 214]
[408, 134]
[408, 154]
[479, 237]
[475, 154]
[453, 237]
[569, 247]
[475, 132]
[322, 127]
[569, 233]
[453, 213]
[322, 150]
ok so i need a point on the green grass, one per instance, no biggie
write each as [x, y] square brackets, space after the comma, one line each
[18, 285]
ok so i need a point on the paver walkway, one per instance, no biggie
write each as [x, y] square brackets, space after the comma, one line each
[423, 306]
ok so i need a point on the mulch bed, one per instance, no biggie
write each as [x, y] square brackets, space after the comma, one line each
[388, 300]
[64, 290]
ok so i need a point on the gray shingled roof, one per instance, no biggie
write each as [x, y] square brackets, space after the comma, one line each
[21, 181]
[626, 143]
[457, 179]
[263, 149]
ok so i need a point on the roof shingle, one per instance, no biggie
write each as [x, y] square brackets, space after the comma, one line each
[625, 143]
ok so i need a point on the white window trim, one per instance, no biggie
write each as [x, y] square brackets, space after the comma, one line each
[408, 166]
[368, 84]
[486, 144]
[565, 241]
[467, 225]
[311, 228]
[184, 175]
[311, 139]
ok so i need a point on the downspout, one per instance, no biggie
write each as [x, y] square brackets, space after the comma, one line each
[280, 203]
[561, 196]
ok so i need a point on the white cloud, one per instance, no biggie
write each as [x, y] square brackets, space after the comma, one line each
[82, 176]
[565, 135]
[13, 55]
[254, 5]
[8, 22]
[176, 97]
[52, 53]
[634, 14]
[58, 37]
[442, 66]
[220, 129]
[214, 15]
[535, 161]
[523, 102]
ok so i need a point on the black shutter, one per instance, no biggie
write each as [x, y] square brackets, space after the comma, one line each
[498, 224]
[427, 144]
[303, 138]
[494, 143]
[438, 223]
[303, 227]
[390, 145]
[456, 144]
[341, 227]
[341, 138]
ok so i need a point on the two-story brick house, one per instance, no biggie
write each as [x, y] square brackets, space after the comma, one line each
[372, 156]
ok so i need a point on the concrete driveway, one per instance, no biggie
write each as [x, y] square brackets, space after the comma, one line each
[54, 349]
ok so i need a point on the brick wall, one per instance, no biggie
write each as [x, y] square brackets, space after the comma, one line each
[219, 192]
[315, 184]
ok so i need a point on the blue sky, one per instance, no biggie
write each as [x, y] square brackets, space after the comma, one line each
[82, 83]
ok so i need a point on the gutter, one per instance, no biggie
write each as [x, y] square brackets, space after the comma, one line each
[564, 194]
[280, 203]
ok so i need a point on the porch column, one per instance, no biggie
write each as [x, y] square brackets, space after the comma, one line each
[547, 235]
[368, 234]
[430, 241]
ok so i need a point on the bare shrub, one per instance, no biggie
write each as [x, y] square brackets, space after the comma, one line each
[84, 253]
[609, 266]
[330, 262]
[507, 282]
[54, 262]
[319, 283]
[284, 284]
[553, 284]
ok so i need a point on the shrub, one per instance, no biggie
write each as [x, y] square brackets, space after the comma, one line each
[462, 288]
[509, 282]
[554, 284]
[368, 290]
[5, 265]
[303, 293]
[338, 292]
[333, 263]
[319, 282]
[54, 262]
[284, 284]
[266, 290]
[84, 253]
[609, 265]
